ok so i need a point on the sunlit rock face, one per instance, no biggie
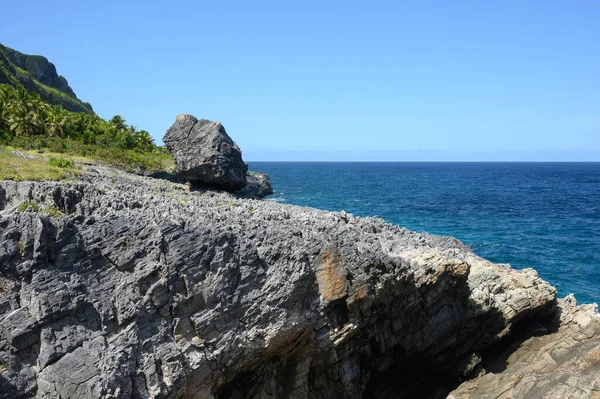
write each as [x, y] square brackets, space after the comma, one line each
[145, 289]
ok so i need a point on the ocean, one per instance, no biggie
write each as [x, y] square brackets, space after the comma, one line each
[540, 215]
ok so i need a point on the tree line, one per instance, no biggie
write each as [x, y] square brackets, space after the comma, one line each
[24, 116]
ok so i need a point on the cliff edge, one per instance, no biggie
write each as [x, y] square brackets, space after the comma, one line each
[121, 286]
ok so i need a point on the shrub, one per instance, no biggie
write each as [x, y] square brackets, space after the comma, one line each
[60, 163]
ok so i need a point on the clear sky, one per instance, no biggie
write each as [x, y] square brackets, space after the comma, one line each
[336, 80]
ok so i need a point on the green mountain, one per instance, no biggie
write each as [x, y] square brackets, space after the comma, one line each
[37, 74]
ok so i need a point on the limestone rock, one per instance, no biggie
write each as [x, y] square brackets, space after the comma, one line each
[145, 289]
[562, 364]
[258, 185]
[205, 154]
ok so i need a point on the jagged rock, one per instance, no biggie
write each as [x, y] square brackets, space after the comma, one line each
[145, 289]
[205, 154]
[258, 185]
[562, 364]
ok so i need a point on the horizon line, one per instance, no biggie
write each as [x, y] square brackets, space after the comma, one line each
[413, 161]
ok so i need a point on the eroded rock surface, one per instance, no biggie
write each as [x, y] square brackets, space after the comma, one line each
[142, 289]
[205, 154]
[258, 185]
[563, 364]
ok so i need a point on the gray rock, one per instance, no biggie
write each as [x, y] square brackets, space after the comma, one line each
[562, 364]
[145, 289]
[258, 185]
[205, 154]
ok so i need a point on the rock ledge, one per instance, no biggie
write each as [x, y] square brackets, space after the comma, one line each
[142, 288]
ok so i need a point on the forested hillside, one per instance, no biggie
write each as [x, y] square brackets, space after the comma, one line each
[38, 75]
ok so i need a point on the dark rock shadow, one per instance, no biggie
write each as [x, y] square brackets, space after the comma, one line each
[3, 200]
[9, 390]
[471, 347]
[495, 357]
[173, 177]
[255, 189]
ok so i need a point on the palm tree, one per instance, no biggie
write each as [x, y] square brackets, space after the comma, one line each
[118, 123]
[55, 120]
[144, 141]
[39, 114]
[130, 137]
[20, 120]
[6, 94]
[22, 97]
[3, 123]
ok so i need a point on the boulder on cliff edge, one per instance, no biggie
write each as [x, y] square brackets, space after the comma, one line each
[205, 154]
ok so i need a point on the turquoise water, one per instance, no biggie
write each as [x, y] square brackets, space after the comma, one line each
[540, 215]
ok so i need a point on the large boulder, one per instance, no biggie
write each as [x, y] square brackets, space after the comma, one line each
[205, 154]
[258, 186]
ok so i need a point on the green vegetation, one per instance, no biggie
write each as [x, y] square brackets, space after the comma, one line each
[60, 163]
[52, 211]
[17, 168]
[23, 206]
[28, 123]
[36, 74]
[40, 113]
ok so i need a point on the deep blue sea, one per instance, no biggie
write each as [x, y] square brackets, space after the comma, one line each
[540, 215]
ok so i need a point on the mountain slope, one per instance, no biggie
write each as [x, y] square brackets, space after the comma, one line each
[39, 75]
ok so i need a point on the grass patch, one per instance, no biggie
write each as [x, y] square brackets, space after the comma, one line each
[52, 211]
[128, 160]
[23, 206]
[133, 161]
[60, 163]
[17, 168]
[64, 153]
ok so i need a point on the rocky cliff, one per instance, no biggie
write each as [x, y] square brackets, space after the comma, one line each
[139, 288]
[561, 363]
[39, 75]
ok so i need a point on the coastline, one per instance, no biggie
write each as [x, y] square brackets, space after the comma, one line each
[231, 286]
[528, 215]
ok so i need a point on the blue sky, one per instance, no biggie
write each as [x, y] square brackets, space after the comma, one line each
[337, 80]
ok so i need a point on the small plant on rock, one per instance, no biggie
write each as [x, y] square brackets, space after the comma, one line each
[23, 206]
[52, 211]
